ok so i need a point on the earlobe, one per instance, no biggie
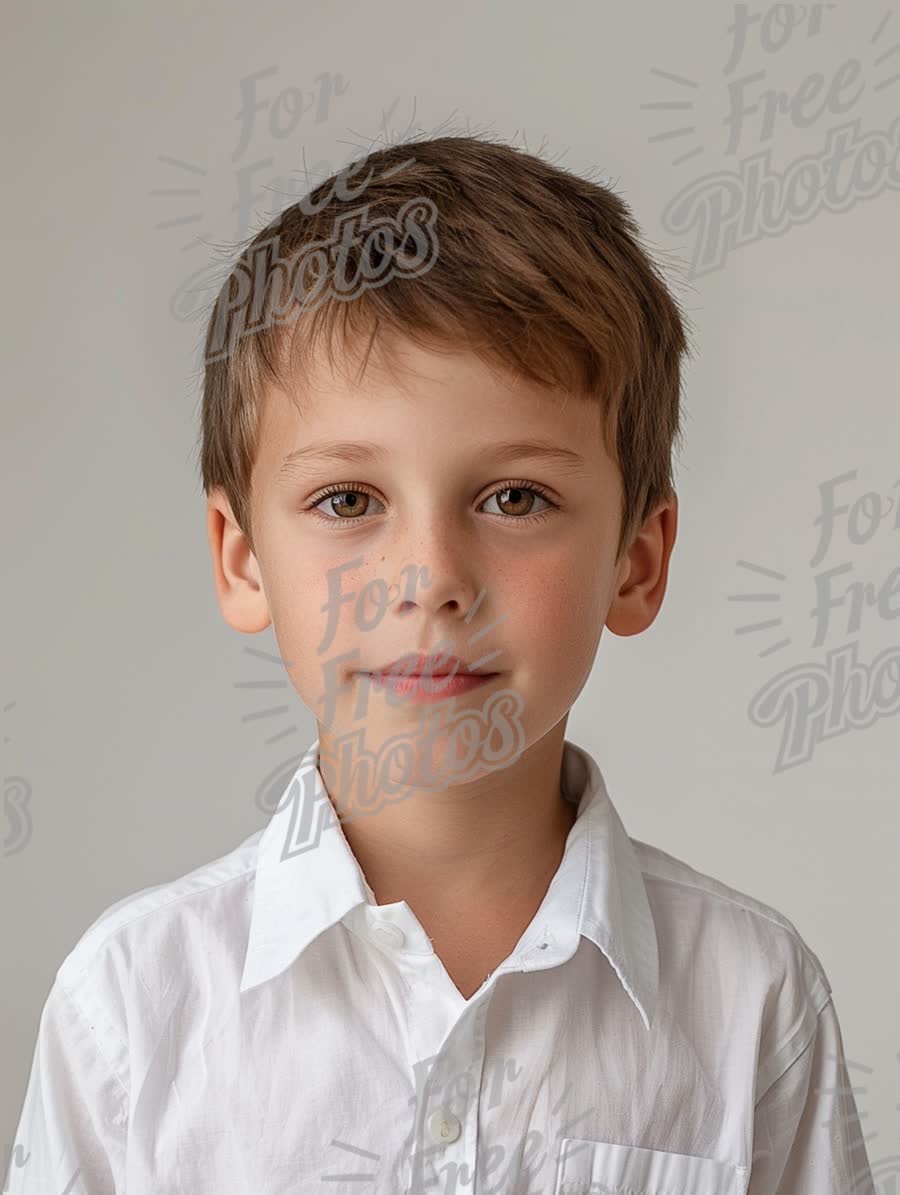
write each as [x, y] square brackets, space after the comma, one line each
[645, 573]
[236, 573]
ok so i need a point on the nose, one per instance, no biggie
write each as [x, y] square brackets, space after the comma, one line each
[441, 574]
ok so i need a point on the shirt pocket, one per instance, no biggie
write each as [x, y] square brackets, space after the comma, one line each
[602, 1168]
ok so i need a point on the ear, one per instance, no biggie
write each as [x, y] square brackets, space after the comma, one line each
[238, 581]
[644, 571]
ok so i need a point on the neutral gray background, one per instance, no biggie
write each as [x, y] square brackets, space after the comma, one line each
[121, 699]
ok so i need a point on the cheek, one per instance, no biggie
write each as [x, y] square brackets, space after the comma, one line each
[324, 612]
[295, 601]
[563, 616]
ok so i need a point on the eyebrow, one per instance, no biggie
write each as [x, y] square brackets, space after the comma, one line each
[357, 453]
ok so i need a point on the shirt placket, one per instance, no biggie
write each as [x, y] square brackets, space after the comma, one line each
[446, 1045]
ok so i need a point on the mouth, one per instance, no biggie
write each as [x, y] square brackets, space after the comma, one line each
[435, 665]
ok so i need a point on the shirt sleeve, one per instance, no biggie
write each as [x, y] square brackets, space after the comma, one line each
[73, 1128]
[807, 1138]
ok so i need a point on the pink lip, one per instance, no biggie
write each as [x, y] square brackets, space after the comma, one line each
[431, 687]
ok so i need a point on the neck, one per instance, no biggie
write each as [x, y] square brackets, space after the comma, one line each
[493, 842]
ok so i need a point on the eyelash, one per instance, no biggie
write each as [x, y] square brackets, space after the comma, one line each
[356, 487]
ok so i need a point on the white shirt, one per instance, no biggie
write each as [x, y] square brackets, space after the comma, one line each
[261, 1026]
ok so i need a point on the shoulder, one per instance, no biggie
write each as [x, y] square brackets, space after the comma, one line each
[160, 945]
[154, 916]
[750, 949]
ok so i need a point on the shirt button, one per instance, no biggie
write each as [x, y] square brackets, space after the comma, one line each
[390, 935]
[444, 1127]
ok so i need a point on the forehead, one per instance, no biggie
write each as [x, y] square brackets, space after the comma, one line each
[409, 394]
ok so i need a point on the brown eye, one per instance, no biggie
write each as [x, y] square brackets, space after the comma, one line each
[344, 503]
[348, 503]
[516, 503]
[516, 498]
[519, 500]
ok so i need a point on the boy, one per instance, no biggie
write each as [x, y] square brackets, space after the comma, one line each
[438, 419]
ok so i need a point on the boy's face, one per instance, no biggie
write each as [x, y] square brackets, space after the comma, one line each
[449, 541]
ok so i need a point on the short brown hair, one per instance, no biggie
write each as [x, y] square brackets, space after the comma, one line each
[539, 271]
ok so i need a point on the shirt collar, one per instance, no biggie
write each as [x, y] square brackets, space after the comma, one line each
[307, 879]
